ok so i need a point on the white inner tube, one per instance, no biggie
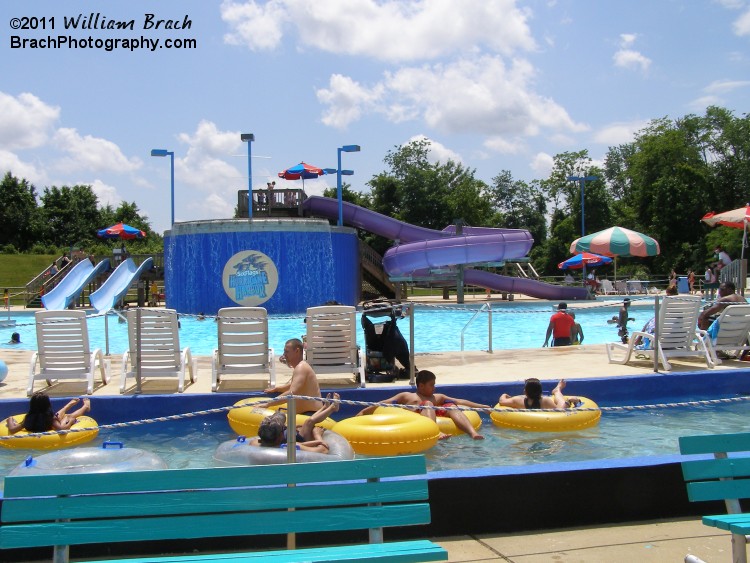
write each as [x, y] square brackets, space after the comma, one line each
[91, 460]
[244, 452]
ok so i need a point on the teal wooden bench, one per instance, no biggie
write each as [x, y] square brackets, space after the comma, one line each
[721, 478]
[180, 504]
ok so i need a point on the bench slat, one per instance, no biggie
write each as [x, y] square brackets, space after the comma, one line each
[700, 469]
[171, 479]
[408, 551]
[208, 526]
[715, 443]
[726, 521]
[211, 500]
[719, 490]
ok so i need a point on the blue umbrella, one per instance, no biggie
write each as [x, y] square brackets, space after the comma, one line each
[587, 259]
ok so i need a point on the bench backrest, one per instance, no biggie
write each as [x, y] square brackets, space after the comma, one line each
[60, 510]
[721, 478]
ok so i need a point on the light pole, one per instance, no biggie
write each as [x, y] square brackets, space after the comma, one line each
[249, 138]
[582, 181]
[170, 154]
[339, 189]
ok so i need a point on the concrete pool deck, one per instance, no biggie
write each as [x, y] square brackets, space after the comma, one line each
[651, 541]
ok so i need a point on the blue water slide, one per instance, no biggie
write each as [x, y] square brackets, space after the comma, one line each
[421, 249]
[117, 284]
[72, 284]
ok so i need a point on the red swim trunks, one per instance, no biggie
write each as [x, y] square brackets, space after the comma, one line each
[439, 411]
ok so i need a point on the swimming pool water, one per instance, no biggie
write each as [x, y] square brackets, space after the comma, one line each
[191, 442]
[436, 328]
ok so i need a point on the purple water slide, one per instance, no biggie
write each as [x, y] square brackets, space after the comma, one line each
[428, 248]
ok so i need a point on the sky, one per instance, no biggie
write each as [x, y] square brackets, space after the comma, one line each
[493, 84]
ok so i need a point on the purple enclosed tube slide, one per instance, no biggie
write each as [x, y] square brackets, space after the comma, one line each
[427, 248]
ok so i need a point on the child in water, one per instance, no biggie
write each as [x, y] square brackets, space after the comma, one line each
[41, 417]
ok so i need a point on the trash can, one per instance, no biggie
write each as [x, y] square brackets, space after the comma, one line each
[682, 285]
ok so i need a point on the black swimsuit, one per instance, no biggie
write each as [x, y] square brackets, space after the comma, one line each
[535, 404]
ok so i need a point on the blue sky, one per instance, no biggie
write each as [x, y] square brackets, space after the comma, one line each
[494, 84]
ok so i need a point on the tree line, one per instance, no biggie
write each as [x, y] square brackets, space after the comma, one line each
[660, 184]
[61, 218]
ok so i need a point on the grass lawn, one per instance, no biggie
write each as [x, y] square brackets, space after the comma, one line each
[16, 270]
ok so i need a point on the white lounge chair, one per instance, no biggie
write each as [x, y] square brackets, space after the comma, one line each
[332, 344]
[607, 288]
[733, 332]
[63, 350]
[157, 344]
[243, 346]
[678, 335]
[621, 287]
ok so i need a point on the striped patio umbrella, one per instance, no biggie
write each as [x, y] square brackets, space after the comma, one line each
[736, 218]
[616, 241]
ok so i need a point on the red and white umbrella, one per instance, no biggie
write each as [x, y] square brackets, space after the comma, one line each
[736, 218]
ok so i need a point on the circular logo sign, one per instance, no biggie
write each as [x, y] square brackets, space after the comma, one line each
[250, 278]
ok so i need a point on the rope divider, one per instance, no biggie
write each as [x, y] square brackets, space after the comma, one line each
[654, 406]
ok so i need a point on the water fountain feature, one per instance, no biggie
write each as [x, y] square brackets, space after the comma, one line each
[284, 265]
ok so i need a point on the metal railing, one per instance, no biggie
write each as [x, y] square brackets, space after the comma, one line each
[486, 307]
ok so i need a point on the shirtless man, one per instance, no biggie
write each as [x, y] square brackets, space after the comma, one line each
[727, 296]
[303, 381]
[426, 396]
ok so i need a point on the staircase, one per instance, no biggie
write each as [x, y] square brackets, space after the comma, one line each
[375, 282]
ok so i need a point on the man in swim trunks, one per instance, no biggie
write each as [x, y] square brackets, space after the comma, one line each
[425, 396]
[303, 381]
[560, 327]
[273, 429]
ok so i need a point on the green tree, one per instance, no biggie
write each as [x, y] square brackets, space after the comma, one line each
[71, 215]
[519, 205]
[20, 222]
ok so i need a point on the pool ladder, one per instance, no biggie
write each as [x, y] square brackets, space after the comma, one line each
[486, 307]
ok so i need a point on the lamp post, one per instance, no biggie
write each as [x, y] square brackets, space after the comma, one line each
[170, 154]
[582, 181]
[339, 172]
[249, 138]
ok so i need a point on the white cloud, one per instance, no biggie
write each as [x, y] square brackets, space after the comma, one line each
[437, 152]
[91, 153]
[394, 30]
[212, 206]
[502, 145]
[26, 121]
[741, 25]
[542, 164]
[619, 133]
[630, 58]
[725, 86]
[347, 100]
[714, 91]
[106, 194]
[205, 169]
[10, 162]
[627, 39]
[480, 95]
[258, 27]
[627, 58]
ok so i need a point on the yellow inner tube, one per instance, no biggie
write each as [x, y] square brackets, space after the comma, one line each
[51, 441]
[390, 433]
[537, 421]
[245, 421]
[445, 423]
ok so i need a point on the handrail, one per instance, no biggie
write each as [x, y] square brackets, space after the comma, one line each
[486, 307]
